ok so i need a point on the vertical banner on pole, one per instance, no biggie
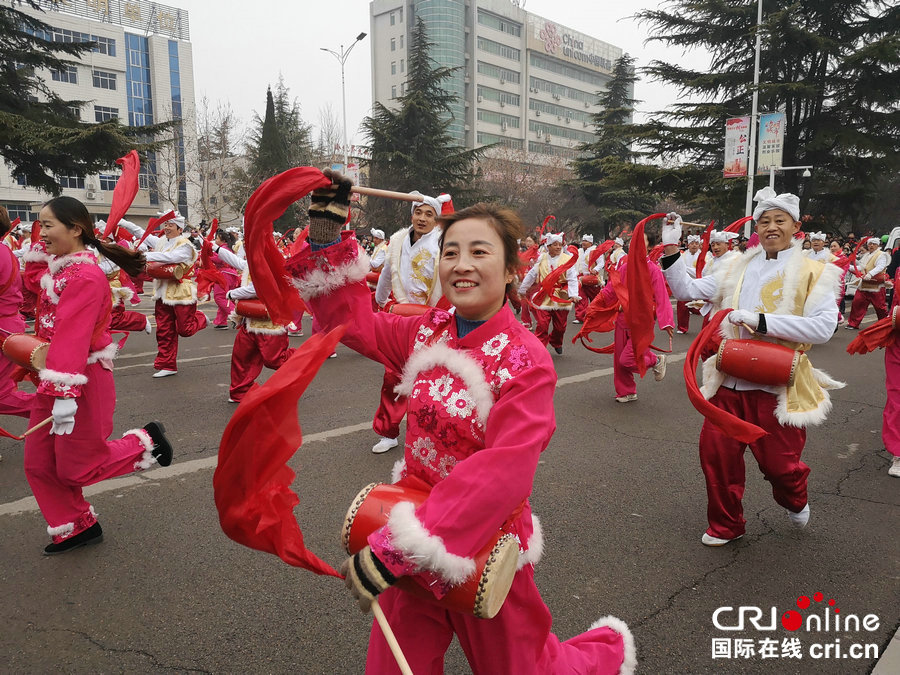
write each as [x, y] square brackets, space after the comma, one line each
[737, 135]
[771, 141]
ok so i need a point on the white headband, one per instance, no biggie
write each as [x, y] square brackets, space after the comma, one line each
[873, 240]
[427, 201]
[378, 234]
[554, 238]
[588, 237]
[722, 237]
[768, 200]
[820, 236]
[178, 219]
[619, 241]
[694, 239]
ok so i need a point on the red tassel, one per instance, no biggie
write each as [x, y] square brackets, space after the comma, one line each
[252, 482]
[736, 225]
[267, 204]
[35, 232]
[544, 224]
[125, 191]
[152, 225]
[640, 312]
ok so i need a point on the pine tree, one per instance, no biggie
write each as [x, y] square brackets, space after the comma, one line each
[410, 147]
[607, 169]
[271, 155]
[40, 134]
[829, 65]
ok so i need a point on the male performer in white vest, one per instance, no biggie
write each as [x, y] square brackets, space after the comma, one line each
[690, 258]
[719, 255]
[871, 288]
[818, 250]
[176, 300]
[409, 275]
[379, 253]
[776, 294]
[617, 253]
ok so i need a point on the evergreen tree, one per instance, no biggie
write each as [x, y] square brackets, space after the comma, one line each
[271, 155]
[829, 65]
[410, 147]
[607, 170]
[40, 133]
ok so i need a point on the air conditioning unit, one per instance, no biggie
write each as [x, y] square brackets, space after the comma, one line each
[90, 194]
[91, 186]
[502, 126]
[584, 124]
[587, 105]
[480, 98]
[537, 113]
[547, 138]
[502, 80]
[502, 104]
[556, 96]
[559, 118]
[568, 120]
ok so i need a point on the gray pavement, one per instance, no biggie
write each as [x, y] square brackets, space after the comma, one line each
[619, 493]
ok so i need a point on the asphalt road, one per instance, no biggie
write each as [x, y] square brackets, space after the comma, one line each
[619, 493]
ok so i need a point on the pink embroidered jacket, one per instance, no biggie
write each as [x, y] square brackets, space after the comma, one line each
[76, 306]
[479, 416]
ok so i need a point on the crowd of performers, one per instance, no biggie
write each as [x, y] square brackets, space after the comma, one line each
[467, 366]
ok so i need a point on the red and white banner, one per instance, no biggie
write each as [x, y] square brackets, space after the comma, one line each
[737, 138]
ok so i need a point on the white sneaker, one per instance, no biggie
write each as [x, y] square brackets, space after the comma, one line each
[626, 398]
[576, 321]
[333, 355]
[681, 332]
[659, 370]
[709, 540]
[384, 444]
[894, 469]
[148, 329]
[165, 373]
[799, 520]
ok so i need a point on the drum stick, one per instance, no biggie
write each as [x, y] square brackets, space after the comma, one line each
[389, 634]
[389, 194]
[38, 426]
[752, 332]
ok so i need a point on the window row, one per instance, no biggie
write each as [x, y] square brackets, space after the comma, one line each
[397, 17]
[483, 138]
[554, 150]
[498, 118]
[394, 43]
[394, 66]
[560, 111]
[502, 97]
[552, 130]
[499, 23]
[554, 66]
[503, 74]
[104, 80]
[558, 91]
[499, 49]
[103, 45]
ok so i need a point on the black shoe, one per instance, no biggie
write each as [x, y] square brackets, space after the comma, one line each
[92, 535]
[558, 350]
[162, 449]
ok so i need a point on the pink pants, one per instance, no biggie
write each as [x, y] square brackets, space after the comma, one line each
[225, 305]
[683, 315]
[125, 319]
[518, 640]
[57, 467]
[251, 352]
[860, 304]
[588, 293]
[559, 318]
[391, 408]
[172, 321]
[890, 430]
[722, 461]
[12, 401]
[624, 362]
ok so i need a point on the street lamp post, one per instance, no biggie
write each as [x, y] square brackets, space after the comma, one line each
[773, 169]
[754, 114]
[342, 58]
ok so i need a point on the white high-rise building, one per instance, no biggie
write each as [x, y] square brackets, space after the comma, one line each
[140, 71]
[524, 81]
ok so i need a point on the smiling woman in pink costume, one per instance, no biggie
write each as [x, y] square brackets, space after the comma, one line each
[478, 384]
[76, 385]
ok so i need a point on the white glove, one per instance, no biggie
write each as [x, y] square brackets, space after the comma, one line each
[868, 276]
[63, 416]
[671, 229]
[575, 299]
[745, 317]
[228, 294]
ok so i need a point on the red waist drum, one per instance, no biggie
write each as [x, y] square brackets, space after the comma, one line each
[590, 280]
[756, 361]
[252, 309]
[157, 270]
[28, 351]
[482, 594]
[408, 309]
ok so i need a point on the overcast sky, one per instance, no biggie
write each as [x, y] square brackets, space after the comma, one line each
[241, 47]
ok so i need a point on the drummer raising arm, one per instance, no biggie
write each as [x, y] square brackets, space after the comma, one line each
[778, 295]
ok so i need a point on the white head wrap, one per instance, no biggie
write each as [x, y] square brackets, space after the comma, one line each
[768, 200]
[694, 239]
[619, 241]
[873, 240]
[722, 237]
[377, 234]
[820, 236]
[554, 238]
[426, 200]
[178, 219]
[588, 237]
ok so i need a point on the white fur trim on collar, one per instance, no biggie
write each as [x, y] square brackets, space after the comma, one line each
[424, 549]
[56, 377]
[85, 257]
[535, 545]
[457, 362]
[629, 664]
[319, 282]
[36, 256]
[108, 353]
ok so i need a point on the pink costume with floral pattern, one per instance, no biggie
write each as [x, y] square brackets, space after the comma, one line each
[75, 311]
[477, 423]
[890, 430]
[12, 401]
